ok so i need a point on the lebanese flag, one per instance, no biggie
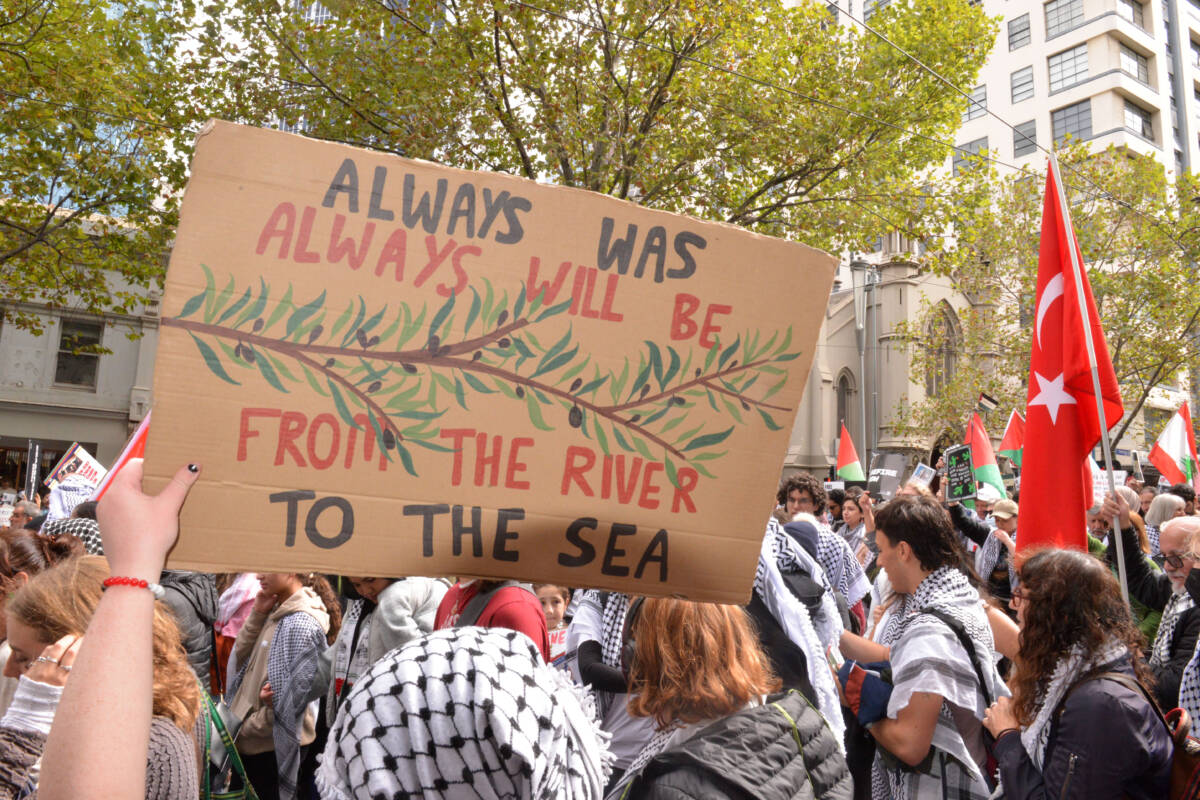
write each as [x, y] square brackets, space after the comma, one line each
[982, 456]
[1174, 453]
[1061, 423]
[134, 448]
[848, 466]
[1014, 438]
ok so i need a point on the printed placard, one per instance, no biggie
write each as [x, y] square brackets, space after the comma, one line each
[389, 367]
[960, 473]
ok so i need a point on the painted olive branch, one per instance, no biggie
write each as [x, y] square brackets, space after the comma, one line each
[361, 357]
[601, 411]
[423, 356]
[372, 406]
[701, 380]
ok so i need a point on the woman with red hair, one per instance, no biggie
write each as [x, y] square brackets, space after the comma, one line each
[697, 670]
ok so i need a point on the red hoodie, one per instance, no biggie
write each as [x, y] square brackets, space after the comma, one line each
[512, 607]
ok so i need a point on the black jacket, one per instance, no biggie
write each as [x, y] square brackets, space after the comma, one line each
[978, 531]
[752, 755]
[1153, 588]
[192, 598]
[1108, 743]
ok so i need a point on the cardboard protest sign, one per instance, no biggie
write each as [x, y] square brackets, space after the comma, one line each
[388, 368]
[831, 485]
[883, 481]
[960, 473]
[77, 461]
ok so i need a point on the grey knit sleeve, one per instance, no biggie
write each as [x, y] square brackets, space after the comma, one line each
[172, 767]
[19, 751]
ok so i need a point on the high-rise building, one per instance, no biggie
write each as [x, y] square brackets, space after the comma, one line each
[1107, 72]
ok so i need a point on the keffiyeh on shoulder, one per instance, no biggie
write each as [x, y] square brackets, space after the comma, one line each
[843, 570]
[780, 555]
[465, 713]
[928, 657]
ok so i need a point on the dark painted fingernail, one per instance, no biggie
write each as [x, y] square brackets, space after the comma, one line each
[193, 467]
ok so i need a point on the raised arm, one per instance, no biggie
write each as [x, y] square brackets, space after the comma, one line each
[97, 746]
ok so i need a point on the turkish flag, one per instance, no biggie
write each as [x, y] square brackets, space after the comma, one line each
[1061, 423]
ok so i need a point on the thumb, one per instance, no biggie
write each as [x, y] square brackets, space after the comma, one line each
[176, 490]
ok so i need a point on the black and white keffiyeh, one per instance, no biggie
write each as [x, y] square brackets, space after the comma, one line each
[1160, 653]
[1189, 686]
[87, 530]
[465, 713]
[612, 608]
[927, 657]
[845, 574]
[780, 554]
[1067, 671]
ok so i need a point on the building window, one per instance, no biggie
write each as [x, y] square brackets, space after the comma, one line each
[1022, 84]
[1074, 120]
[74, 368]
[1195, 53]
[844, 392]
[1018, 32]
[1062, 15]
[871, 6]
[1025, 138]
[976, 104]
[1138, 120]
[943, 351]
[1132, 11]
[1068, 67]
[312, 12]
[963, 153]
[1134, 64]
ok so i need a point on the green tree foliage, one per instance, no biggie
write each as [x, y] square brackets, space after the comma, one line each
[91, 152]
[633, 99]
[1139, 234]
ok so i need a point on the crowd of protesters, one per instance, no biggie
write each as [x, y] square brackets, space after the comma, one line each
[893, 650]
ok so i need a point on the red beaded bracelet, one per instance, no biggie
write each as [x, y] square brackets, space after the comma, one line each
[137, 583]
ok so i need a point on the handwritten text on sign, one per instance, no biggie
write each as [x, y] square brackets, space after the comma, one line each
[397, 368]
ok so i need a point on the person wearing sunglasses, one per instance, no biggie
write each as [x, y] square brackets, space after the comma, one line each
[1179, 540]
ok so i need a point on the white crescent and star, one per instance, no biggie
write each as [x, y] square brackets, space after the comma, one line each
[1052, 292]
[1052, 395]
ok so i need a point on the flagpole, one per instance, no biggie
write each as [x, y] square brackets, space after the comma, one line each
[1077, 271]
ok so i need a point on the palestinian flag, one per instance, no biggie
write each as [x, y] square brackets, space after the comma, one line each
[1174, 453]
[848, 466]
[982, 456]
[1014, 438]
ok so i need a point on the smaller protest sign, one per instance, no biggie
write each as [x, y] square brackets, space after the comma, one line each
[960, 474]
[6, 511]
[884, 479]
[1137, 466]
[831, 485]
[1100, 488]
[922, 475]
[32, 464]
[78, 462]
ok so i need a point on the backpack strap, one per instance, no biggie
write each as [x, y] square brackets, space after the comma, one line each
[967, 644]
[473, 610]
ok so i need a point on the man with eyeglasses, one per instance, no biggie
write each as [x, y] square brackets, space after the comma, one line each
[1179, 629]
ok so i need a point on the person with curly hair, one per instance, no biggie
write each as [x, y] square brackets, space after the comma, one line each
[698, 673]
[1080, 723]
